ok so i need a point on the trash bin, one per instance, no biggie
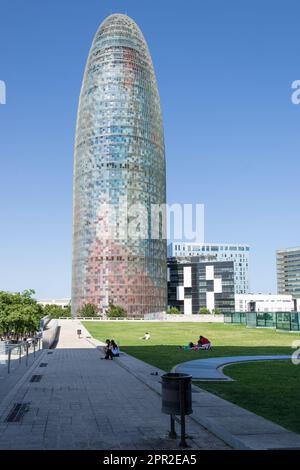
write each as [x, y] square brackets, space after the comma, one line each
[79, 332]
[176, 387]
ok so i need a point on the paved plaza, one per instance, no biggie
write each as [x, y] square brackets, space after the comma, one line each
[83, 402]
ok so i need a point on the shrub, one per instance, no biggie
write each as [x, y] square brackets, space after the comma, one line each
[173, 311]
[204, 311]
[116, 311]
[217, 311]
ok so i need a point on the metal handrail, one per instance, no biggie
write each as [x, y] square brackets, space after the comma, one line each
[26, 346]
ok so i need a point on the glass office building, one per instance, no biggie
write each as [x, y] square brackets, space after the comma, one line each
[288, 271]
[238, 253]
[119, 164]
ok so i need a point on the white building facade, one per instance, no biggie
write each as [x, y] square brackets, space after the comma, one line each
[59, 302]
[264, 303]
[239, 254]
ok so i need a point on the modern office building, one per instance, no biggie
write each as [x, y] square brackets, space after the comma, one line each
[264, 303]
[239, 254]
[194, 284]
[288, 271]
[119, 163]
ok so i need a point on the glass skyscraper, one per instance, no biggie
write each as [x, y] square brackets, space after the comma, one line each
[288, 271]
[119, 168]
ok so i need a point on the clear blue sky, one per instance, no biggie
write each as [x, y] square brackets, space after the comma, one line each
[224, 71]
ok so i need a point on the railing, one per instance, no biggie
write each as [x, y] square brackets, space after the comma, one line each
[286, 321]
[19, 351]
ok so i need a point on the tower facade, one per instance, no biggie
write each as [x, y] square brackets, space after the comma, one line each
[288, 271]
[119, 252]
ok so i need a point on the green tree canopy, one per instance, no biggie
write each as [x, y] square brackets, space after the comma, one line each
[56, 311]
[88, 310]
[116, 311]
[20, 313]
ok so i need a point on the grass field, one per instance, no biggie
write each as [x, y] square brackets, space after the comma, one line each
[162, 349]
[270, 389]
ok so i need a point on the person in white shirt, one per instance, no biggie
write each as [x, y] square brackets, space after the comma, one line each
[146, 336]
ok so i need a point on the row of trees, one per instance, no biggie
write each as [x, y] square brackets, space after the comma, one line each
[91, 310]
[86, 311]
[20, 314]
[202, 311]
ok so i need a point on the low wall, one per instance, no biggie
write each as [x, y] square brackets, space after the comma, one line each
[49, 335]
[184, 318]
[198, 318]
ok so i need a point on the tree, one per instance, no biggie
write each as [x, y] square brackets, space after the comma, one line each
[116, 311]
[56, 311]
[216, 311]
[173, 311]
[20, 314]
[88, 310]
[204, 311]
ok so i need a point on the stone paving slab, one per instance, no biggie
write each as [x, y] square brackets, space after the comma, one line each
[83, 402]
[211, 368]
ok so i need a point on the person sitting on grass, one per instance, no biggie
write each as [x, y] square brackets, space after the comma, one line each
[188, 347]
[204, 343]
[146, 336]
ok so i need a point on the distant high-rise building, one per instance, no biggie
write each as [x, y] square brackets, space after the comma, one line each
[288, 271]
[119, 163]
[239, 254]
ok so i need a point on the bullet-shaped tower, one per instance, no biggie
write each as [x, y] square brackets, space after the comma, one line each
[119, 249]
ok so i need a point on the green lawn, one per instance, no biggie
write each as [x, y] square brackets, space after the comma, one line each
[270, 389]
[162, 349]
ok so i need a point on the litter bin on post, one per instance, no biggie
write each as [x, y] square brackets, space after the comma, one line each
[177, 400]
[79, 333]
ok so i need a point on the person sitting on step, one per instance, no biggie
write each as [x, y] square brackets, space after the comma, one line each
[112, 351]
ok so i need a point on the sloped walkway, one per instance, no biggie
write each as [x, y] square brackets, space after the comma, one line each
[211, 368]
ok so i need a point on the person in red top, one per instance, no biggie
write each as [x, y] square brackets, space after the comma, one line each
[204, 343]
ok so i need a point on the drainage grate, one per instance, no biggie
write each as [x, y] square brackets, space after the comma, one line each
[36, 378]
[17, 412]
[50, 352]
[43, 364]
